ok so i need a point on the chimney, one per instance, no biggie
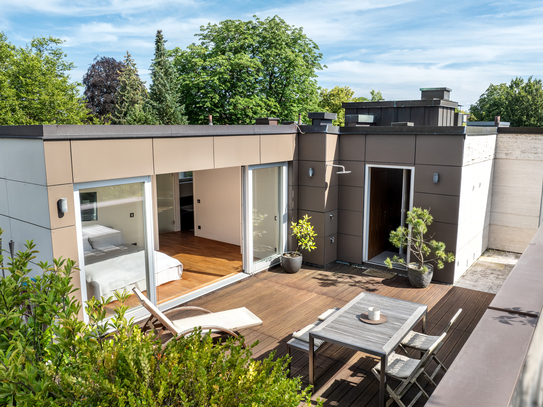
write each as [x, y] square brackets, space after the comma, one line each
[211, 120]
[271, 121]
[435, 93]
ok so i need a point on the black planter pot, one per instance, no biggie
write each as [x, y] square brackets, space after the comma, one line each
[291, 264]
[419, 279]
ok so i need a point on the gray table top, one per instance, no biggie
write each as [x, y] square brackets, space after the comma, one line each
[345, 328]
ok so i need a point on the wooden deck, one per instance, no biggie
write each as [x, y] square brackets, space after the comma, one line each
[288, 302]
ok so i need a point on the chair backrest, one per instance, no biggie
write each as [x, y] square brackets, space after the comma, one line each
[452, 321]
[155, 311]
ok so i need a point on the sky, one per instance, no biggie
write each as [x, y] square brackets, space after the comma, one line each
[395, 46]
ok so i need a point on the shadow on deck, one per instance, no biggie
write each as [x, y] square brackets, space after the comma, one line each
[288, 302]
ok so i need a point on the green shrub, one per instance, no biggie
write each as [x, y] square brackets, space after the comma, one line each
[48, 357]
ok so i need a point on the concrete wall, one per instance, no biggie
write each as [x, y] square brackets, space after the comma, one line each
[516, 189]
[217, 215]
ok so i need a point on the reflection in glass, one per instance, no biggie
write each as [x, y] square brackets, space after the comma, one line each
[114, 245]
[266, 213]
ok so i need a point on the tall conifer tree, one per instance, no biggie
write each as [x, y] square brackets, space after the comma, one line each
[132, 105]
[163, 92]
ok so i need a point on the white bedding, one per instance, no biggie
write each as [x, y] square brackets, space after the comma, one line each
[128, 271]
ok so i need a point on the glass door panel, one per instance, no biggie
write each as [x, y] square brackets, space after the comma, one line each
[165, 203]
[266, 213]
[114, 240]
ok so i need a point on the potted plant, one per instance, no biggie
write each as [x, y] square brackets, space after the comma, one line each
[305, 240]
[420, 272]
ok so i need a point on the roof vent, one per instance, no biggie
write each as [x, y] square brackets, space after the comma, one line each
[435, 93]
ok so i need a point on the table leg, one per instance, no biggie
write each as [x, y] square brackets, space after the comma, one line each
[311, 359]
[382, 382]
[424, 324]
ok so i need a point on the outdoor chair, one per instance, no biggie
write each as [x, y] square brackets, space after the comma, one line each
[423, 342]
[300, 339]
[407, 371]
[223, 323]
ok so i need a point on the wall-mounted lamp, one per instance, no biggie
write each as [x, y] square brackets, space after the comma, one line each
[311, 172]
[436, 177]
[340, 166]
[62, 206]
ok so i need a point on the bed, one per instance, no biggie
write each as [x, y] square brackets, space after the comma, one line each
[113, 265]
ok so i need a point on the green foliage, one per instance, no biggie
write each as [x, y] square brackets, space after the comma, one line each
[304, 233]
[331, 100]
[520, 103]
[419, 219]
[241, 70]
[132, 104]
[163, 93]
[48, 357]
[35, 85]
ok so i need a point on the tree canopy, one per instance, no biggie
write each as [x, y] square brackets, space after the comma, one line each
[163, 92]
[101, 84]
[331, 101]
[520, 103]
[241, 70]
[35, 85]
[132, 105]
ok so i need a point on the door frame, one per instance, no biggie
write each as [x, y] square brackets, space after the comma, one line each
[367, 191]
[247, 225]
[148, 230]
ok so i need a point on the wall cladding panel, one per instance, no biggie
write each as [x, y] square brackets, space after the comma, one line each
[390, 149]
[182, 154]
[31, 169]
[28, 203]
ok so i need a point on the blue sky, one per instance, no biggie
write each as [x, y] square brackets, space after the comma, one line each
[395, 46]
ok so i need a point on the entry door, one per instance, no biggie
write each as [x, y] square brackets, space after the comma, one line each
[265, 215]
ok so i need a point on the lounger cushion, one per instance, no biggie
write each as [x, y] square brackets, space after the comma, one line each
[233, 319]
[328, 313]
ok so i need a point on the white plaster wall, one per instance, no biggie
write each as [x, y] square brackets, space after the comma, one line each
[24, 160]
[478, 149]
[219, 211]
[28, 203]
[517, 189]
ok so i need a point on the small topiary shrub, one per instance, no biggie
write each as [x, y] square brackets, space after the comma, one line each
[48, 357]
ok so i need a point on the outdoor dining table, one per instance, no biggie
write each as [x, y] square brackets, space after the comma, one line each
[346, 329]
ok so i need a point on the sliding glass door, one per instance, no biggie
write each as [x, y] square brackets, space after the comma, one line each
[265, 220]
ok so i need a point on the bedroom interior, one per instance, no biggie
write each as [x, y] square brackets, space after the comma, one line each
[198, 234]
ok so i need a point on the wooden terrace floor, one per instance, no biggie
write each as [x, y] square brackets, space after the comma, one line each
[288, 302]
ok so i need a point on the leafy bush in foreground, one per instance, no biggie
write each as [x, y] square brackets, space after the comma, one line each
[48, 357]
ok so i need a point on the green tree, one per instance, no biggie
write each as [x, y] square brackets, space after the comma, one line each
[241, 70]
[35, 85]
[331, 101]
[163, 92]
[132, 105]
[520, 103]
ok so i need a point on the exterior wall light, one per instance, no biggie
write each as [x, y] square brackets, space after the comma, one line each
[62, 206]
[311, 172]
[436, 177]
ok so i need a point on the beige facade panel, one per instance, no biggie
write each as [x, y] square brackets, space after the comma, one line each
[23, 160]
[356, 177]
[350, 222]
[390, 149]
[352, 147]
[236, 151]
[440, 150]
[65, 245]
[349, 248]
[442, 207]
[96, 160]
[509, 238]
[449, 179]
[351, 198]
[277, 148]
[323, 175]
[28, 203]
[182, 154]
[332, 147]
[312, 147]
[54, 193]
[58, 162]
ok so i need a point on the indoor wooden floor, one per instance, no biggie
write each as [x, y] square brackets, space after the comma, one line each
[287, 302]
[205, 261]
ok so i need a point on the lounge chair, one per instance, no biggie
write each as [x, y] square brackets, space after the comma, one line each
[223, 323]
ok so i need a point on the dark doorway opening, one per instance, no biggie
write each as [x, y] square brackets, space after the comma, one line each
[389, 200]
